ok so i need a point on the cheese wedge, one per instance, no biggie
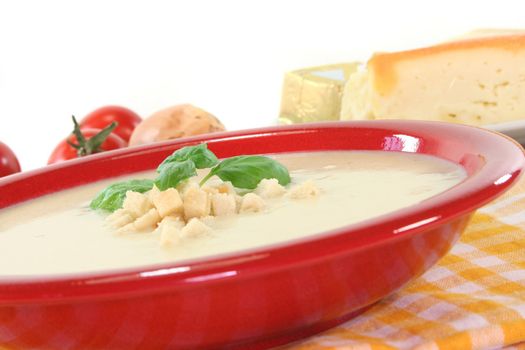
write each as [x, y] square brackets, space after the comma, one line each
[475, 80]
[314, 94]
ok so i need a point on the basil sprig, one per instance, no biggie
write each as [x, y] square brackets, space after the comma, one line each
[242, 171]
[171, 174]
[200, 155]
[182, 164]
[112, 197]
[247, 171]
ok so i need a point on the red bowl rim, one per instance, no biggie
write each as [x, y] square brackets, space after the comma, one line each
[503, 163]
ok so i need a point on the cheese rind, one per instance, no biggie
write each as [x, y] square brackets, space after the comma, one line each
[473, 81]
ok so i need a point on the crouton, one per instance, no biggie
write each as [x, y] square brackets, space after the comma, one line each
[196, 203]
[226, 187]
[170, 230]
[195, 228]
[168, 202]
[269, 188]
[126, 229]
[209, 221]
[307, 189]
[238, 201]
[252, 203]
[153, 193]
[223, 204]
[137, 204]
[147, 221]
[120, 218]
[184, 186]
[210, 189]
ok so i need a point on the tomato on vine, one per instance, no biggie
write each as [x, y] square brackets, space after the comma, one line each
[85, 141]
[127, 120]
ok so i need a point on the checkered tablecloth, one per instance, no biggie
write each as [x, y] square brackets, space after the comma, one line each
[474, 298]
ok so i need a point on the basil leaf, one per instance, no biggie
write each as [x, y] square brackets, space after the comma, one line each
[248, 171]
[200, 155]
[112, 197]
[171, 174]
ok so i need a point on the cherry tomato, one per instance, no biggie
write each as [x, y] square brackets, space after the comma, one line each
[127, 120]
[86, 141]
[8, 162]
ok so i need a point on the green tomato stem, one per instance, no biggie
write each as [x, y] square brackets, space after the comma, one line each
[92, 145]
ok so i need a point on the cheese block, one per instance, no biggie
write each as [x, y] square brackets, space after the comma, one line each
[314, 94]
[474, 80]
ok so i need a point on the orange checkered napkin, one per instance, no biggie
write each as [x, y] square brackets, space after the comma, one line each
[474, 298]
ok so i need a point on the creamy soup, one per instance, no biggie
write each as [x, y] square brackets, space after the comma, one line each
[58, 233]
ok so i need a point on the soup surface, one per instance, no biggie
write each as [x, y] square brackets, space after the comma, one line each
[58, 233]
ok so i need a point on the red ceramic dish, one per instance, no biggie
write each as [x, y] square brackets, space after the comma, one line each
[265, 296]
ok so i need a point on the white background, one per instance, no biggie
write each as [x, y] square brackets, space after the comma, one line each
[59, 58]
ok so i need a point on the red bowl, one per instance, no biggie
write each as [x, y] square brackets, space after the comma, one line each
[265, 296]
